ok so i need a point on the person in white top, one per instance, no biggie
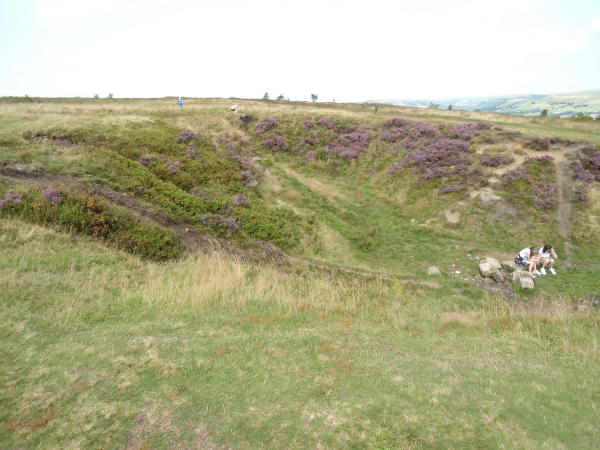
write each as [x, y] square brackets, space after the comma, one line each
[234, 108]
[527, 258]
[547, 257]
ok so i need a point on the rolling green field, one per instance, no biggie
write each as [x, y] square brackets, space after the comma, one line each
[189, 278]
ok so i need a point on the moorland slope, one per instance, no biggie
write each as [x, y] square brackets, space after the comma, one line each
[178, 277]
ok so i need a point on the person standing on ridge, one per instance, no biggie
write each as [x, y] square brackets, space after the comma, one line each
[376, 109]
[180, 102]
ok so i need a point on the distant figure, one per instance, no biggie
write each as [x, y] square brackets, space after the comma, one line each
[41, 104]
[234, 108]
[180, 102]
[376, 109]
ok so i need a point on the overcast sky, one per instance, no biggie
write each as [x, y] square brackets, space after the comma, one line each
[338, 49]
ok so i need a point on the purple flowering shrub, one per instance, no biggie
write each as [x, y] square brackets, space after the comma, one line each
[266, 125]
[250, 174]
[240, 200]
[534, 184]
[190, 153]
[270, 251]
[444, 160]
[308, 141]
[52, 195]
[331, 124]
[189, 135]
[494, 161]
[308, 124]
[538, 143]
[275, 142]
[586, 171]
[11, 197]
[310, 156]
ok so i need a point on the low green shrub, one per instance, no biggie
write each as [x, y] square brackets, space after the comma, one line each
[80, 213]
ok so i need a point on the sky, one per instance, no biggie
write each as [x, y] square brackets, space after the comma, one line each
[342, 50]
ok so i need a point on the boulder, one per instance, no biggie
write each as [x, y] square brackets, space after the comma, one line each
[487, 266]
[526, 283]
[485, 269]
[520, 273]
[494, 263]
[509, 265]
[497, 275]
[434, 271]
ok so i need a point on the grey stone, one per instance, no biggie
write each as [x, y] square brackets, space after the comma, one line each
[497, 275]
[509, 265]
[526, 283]
[493, 262]
[433, 271]
[485, 269]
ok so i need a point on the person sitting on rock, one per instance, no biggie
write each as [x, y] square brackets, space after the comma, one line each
[547, 255]
[526, 258]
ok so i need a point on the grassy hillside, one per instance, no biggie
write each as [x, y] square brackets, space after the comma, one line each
[566, 104]
[188, 278]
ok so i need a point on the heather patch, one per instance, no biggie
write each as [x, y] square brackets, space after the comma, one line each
[494, 161]
[189, 135]
[586, 171]
[275, 143]
[266, 125]
[538, 143]
[468, 131]
[534, 184]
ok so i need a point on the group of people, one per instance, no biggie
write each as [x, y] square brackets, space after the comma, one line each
[533, 257]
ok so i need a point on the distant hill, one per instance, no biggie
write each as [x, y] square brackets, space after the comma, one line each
[587, 102]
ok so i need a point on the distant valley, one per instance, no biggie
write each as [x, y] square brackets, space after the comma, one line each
[569, 104]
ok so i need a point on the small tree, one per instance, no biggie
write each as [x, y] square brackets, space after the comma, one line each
[314, 97]
[266, 96]
[96, 96]
[433, 105]
[110, 96]
[544, 113]
[280, 97]
[449, 107]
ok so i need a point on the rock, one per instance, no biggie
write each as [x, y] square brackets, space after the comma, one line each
[526, 283]
[509, 265]
[497, 276]
[433, 271]
[493, 262]
[485, 269]
[523, 279]
[519, 273]
[253, 183]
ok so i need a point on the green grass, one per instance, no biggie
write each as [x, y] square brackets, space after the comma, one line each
[96, 360]
[104, 349]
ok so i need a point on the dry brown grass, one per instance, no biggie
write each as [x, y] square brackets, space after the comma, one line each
[206, 280]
